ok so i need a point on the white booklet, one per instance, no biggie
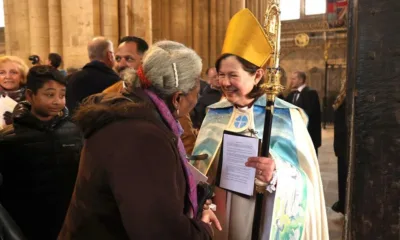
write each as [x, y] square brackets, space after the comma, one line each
[233, 175]
[197, 175]
[7, 104]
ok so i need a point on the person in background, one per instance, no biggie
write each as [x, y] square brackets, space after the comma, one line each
[35, 60]
[40, 156]
[211, 95]
[128, 56]
[13, 71]
[72, 70]
[307, 98]
[138, 134]
[340, 146]
[130, 53]
[95, 76]
[55, 60]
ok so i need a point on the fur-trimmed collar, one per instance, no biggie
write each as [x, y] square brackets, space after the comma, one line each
[102, 109]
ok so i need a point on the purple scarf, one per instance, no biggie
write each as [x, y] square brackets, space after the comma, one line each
[177, 130]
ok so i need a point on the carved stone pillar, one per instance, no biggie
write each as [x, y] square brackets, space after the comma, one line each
[142, 20]
[125, 17]
[237, 5]
[109, 20]
[201, 25]
[80, 23]
[55, 27]
[180, 15]
[17, 28]
[213, 54]
[39, 28]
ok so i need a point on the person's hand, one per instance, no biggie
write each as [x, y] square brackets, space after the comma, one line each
[264, 167]
[196, 131]
[210, 218]
[7, 116]
[206, 206]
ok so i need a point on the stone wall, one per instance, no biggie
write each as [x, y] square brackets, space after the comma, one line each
[65, 27]
[326, 45]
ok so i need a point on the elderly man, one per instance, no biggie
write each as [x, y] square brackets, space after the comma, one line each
[95, 76]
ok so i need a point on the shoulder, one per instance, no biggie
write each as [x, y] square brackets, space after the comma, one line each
[75, 78]
[310, 90]
[7, 131]
[131, 137]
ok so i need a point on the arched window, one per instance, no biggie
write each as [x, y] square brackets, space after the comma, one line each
[315, 7]
[295, 9]
[290, 9]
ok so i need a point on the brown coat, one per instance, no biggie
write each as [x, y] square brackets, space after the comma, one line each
[188, 137]
[131, 183]
[115, 88]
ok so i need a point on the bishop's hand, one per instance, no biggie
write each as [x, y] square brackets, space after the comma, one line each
[264, 167]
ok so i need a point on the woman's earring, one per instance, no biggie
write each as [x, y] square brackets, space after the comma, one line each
[177, 112]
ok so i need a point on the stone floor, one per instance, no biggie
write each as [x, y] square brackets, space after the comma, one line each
[328, 167]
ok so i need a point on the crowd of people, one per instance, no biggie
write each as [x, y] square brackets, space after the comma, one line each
[105, 151]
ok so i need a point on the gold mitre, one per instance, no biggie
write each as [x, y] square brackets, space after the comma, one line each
[246, 38]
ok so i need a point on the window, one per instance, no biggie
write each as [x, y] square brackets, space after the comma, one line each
[315, 7]
[290, 9]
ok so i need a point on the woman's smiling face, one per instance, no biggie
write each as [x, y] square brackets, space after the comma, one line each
[235, 82]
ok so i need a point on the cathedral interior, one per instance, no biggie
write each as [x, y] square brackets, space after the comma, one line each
[332, 41]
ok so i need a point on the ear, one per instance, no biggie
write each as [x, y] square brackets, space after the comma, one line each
[176, 98]
[29, 95]
[259, 74]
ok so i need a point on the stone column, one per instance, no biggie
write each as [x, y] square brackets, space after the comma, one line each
[7, 31]
[142, 20]
[221, 27]
[109, 20]
[237, 5]
[80, 23]
[201, 25]
[17, 28]
[125, 17]
[165, 19]
[156, 18]
[178, 13]
[213, 33]
[55, 27]
[39, 28]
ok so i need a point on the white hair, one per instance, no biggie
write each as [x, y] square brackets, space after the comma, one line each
[98, 48]
[170, 67]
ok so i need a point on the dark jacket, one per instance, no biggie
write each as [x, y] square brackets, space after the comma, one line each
[131, 183]
[340, 131]
[309, 101]
[203, 86]
[209, 96]
[94, 78]
[39, 163]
